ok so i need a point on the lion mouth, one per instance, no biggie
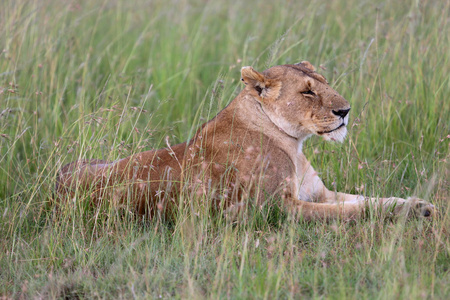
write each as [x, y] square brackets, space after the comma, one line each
[324, 132]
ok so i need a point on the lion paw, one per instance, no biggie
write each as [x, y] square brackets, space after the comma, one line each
[421, 207]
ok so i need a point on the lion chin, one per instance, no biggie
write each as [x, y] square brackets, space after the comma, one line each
[337, 135]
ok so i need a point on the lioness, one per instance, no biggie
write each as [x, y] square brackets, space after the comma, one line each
[249, 151]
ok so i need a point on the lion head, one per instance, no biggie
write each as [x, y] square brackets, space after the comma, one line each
[299, 101]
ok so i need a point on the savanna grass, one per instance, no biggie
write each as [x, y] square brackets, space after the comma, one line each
[105, 79]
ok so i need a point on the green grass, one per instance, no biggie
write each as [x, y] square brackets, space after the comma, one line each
[104, 79]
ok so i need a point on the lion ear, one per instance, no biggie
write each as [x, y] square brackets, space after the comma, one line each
[252, 77]
[307, 65]
[264, 87]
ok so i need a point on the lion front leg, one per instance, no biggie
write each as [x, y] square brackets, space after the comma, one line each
[312, 190]
[350, 207]
[398, 206]
[327, 211]
[413, 205]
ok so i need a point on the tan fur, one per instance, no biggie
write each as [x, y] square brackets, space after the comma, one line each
[250, 151]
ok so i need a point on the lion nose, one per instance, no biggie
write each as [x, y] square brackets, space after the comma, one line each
[341, 113]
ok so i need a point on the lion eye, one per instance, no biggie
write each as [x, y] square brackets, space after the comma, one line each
[308, 93]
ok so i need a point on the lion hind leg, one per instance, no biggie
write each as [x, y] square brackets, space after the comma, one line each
[78, 174]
